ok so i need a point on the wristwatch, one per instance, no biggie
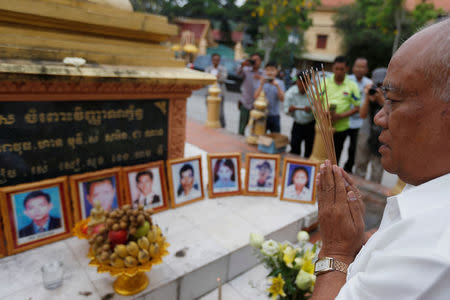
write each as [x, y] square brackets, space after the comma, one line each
[327, 264]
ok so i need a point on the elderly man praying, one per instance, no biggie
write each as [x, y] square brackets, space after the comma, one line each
[409, 256]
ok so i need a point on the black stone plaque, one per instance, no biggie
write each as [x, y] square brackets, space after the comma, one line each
[40, 140]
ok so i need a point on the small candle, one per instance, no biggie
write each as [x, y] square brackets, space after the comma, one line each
[219, 288]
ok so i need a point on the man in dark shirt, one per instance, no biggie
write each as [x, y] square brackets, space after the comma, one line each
[37, 207]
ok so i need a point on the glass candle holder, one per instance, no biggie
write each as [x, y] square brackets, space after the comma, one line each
[52, 274]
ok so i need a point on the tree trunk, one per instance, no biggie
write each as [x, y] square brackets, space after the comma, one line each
[399, 16]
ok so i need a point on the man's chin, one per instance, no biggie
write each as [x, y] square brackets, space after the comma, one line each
[387, 163]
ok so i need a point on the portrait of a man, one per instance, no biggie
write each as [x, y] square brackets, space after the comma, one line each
[262, 175]
[145, 183]
[101, 190]
[37, 206]
[185, 180]
[188, 188]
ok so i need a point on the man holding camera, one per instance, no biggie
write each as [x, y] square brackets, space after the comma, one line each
[251, 73]
[274, 91]
[373, 102]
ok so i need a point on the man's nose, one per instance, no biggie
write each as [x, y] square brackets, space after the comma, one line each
[381, 118]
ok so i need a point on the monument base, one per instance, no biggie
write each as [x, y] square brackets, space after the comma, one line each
[208, 239]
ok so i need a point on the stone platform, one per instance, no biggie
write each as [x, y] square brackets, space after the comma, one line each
[213, 233]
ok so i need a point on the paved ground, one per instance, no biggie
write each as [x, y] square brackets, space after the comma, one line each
[196, 110]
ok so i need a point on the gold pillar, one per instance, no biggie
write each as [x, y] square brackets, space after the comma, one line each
[202, 47]
[258, 118]
[213, 102]
[319, 153]
[397, 189]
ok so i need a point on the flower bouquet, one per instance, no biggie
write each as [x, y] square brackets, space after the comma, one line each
[291, 266]
[125, 243]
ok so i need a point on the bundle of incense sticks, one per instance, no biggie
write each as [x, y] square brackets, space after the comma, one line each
[316, 92]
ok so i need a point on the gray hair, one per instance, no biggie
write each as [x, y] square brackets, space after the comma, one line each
[435, 59]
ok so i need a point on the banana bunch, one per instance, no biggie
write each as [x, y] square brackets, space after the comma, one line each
[133, 253]
[155, 236]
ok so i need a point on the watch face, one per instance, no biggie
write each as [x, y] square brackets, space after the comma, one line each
[322, 264]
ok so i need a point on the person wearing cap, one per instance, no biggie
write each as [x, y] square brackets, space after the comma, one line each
[358, 152]
[296, 105]
[264, 175]
[373, 102]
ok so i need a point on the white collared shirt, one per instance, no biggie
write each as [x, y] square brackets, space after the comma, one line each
[409, 256]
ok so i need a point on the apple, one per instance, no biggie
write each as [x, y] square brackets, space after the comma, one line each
[142, 230]
[97, 228]
[118, 237]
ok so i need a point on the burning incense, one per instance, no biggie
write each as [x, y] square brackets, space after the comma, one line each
[316, 93]
[219, 288]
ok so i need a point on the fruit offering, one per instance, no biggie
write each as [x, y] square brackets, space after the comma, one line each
[127, 238]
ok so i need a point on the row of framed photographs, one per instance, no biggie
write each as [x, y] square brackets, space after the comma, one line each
[39, 213]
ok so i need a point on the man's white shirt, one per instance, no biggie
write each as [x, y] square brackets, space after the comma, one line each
[409, 256]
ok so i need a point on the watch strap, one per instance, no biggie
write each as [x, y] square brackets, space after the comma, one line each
[334, 265]
[340, 266]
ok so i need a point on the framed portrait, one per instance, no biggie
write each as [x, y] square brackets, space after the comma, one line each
[2, 238]
[104, 186]
[224, 176]
[185, 180]
[261, 174]
[145, 185]
[299, 181]
[35, 214]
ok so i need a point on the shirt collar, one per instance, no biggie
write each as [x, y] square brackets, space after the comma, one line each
[36, 228]
[346, 79]
[414, 200]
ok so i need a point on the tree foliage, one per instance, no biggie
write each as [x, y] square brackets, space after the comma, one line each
[375, 28]
[280, 19]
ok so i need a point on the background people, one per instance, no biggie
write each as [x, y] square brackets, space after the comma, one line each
[220, 72]
[368, 152]
[274, 91]
[37, 206]
[343, 93]
[296, 105]
[144, 183]
[359, 129]
[251, 73]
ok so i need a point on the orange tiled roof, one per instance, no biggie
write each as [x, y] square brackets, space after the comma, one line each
[409, 4]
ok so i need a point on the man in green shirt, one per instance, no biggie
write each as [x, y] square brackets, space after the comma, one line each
[342, 94]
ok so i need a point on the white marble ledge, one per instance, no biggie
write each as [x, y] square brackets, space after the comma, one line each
[251, 285]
